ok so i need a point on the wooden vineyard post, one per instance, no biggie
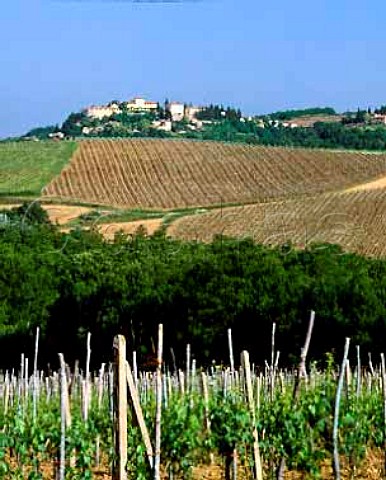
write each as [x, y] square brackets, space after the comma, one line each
[187, 378]
[383, 373]
[6, 395]
[371, 365]
[35, 376]
[120, 409]
[359, 372]
[135, 369]
[65, 416]
[271, 369]
[303, 355]
[206, 409]
[62, 453]
[336, 462]
[25, 381]
[232, 375]
[157, 457]
[138, 414]
[258, 473]
[21, 383]
[231, 357]
[100, 397]
[86, 397]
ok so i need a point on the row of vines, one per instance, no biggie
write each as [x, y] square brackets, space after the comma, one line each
[354, 220]
[247, 422]
[143, 173]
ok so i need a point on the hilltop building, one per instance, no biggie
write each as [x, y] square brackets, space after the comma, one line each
[176, 110]
[191, 112]
[179, 111]
[106, 111]
[139, 104]
[102, 111]
[379, 118]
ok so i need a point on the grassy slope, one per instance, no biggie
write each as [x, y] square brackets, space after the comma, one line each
[26, 167]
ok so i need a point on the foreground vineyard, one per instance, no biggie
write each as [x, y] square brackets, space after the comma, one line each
[354, 220]
[144, 173]
[60, 425]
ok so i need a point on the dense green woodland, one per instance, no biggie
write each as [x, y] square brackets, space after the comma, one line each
[69, 284]
[304, 112]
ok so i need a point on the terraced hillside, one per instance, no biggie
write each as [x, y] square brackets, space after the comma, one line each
[355, 220]
[26, 167]
[144, 173]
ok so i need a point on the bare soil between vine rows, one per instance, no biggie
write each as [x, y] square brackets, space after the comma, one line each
[371, 469]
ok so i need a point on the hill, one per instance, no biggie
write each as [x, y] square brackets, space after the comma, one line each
[164, 174]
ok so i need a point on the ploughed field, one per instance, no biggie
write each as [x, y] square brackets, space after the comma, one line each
[148, 173]
[354, 220]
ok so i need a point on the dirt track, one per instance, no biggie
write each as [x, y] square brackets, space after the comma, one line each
[63, 214]
[375, 184]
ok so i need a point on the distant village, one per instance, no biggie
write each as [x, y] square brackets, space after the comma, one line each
[178, 111]
[165, 117]
[174, 112]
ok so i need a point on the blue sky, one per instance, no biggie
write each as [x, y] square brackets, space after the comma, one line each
[59, 56]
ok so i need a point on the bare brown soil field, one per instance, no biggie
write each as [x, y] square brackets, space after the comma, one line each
[356, 221]
[371, 469]
[63, 214]
[164, 174]
[375, 184]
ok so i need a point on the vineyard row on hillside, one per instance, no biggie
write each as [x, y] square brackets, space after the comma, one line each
[170, 174]
[354, 220]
